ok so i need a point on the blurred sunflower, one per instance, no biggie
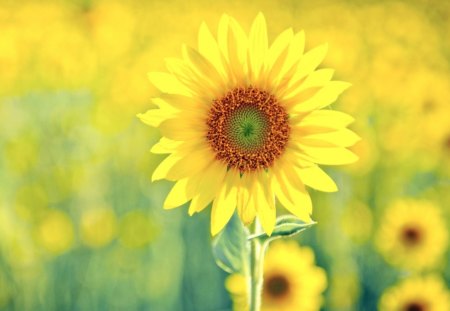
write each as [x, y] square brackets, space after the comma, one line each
[412, 235]
[417, 294]
[291, 280]
[55, 233]
[243, 124]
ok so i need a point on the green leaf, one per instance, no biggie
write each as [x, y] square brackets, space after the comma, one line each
[231, 247]
[285, 226]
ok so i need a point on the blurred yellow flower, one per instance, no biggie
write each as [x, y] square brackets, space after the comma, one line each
[137, 229]
[98, 226]
[243, 124]
[292, 281]
[412, 234]
[55, 233]
[427, 293]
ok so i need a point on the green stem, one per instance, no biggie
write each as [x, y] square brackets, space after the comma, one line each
[256, 271]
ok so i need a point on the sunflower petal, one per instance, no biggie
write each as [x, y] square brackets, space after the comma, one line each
[167, 83]
[210, 182]
[183, 128]
[165, 165]
[246, 212]
[330, 156]
[295, 53]
[165, 145]
[225, 203]
[316, 178]
[154, 117]
[324, 97]
[339, 138]
[237, 46]
[309, 62]
[178, 195]
[323, 118]
[265, 202]
[211, 77]
[257, 46]
[300, 207]
[208, 47]
[316, 80]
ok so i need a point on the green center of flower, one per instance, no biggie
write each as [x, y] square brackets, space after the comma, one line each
[248, 129]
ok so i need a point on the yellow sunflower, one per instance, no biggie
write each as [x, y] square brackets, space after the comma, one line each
[417, 294]
[292, 281]
[244, 127]
[412, 234]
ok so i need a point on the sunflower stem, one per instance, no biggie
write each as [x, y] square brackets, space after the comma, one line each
[256, 270]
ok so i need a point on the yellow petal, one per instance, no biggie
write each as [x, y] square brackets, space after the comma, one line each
[186, 75]
[186, 162]
[246, 212]
[316, 178]
[316, 80]
[330, 156]
[210, 75]
[165, 145]
[211, 180]
[188, 127]
[309, 62]
[278, 51]
[222, 34]
[302, 201]
[297, 190]
[324, 97]
[178, 195]
[190, 164]
[257, 46]
[265, 203]
[296, 49]
[225, 203]
[167, 83]
[165, 165]
[184, 103]
[154, 117]
[339, 138]
[208, 47]
[237, 45]
[324, 118]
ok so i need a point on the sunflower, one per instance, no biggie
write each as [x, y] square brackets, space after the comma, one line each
[417, 294]
[243, 124]
[412, 234]
[292, 281]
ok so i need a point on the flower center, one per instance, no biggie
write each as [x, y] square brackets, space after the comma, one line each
[276, 286]
[411, 235]
[415, 306]
[248, 129]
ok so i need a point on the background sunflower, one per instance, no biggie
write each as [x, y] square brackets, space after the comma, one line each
[81, 225]
[292, 281]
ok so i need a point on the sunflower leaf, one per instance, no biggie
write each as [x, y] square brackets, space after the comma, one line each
[285, 226]
[231, 248]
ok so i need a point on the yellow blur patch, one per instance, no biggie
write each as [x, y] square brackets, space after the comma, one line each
[98, 226]
[55, 233]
